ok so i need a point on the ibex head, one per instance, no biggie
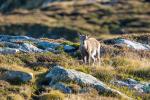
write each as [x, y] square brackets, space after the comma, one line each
[83, 37]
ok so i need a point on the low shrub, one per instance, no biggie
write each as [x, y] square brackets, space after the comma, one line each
[14, 97]
[53, 95]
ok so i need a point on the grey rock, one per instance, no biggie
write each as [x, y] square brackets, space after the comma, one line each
[131, 81]
[120, 83]
[26, 47]
[146, 88]
[10, 38]
[52, 50]
[45, 45]
[19, 43]
[62, 87]
[21, 76]
[8, 51]
[138, 87]
[85, 90]
[60, 74]
[10, 45]
[69, 48]
[132, 44]
[143, 88]
[133, 84]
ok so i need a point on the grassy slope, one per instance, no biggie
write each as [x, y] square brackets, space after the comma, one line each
[116, 64]
[66, 19]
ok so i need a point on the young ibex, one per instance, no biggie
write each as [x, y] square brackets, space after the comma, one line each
[90, 49]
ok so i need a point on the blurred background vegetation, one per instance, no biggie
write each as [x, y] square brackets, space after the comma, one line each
[65, 18]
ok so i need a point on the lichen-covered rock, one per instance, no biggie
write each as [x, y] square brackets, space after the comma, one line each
[59, 74]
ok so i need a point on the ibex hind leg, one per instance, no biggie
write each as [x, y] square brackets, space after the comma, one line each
[94, 59]
[99, 59]
[89, 60]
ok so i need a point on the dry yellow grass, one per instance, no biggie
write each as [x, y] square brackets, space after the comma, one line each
[88, 97]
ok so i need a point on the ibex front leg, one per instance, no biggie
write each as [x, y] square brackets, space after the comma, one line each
[85, 59]
[89, 59]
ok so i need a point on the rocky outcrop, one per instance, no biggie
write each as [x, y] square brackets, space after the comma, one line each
[60, 74]
[13, 44]
[128, 43]
[133, 84]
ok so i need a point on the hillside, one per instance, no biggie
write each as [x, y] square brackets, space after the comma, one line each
[40, 57]
[37, 68]
[67, 18]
